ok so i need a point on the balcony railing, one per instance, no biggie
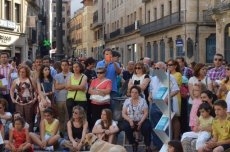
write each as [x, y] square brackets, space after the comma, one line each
[115, 33]
[219, 7]
[132, 27]
[95, 17]
[207, 17]
[78, 26]
[170, 21]
[144, 1]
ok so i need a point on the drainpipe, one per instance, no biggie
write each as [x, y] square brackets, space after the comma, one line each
[197, 36]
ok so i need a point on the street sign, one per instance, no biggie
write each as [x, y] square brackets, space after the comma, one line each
[179, 43]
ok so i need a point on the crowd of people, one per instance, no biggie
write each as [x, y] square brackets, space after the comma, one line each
[53, 106]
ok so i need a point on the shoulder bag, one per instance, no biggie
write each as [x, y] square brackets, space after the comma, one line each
[44, 104]
[99, 98]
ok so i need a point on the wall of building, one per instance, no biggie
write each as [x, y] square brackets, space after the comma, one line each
[192, 27]
[12, 29]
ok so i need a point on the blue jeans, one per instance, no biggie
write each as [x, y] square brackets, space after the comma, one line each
[113, 94]
[155, 115]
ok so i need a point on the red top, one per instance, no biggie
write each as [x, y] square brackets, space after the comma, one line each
[105, 85]
[19, 137]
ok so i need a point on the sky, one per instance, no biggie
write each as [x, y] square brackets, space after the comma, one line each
[75, 5]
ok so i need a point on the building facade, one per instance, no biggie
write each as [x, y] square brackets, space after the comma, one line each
[65, 26]
[75, 32]
[123, 20]
[87, 37]
[220, 11]
[97, 26]
[13, 38]
[178, 28]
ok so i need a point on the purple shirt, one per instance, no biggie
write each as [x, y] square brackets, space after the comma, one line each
[217, 73]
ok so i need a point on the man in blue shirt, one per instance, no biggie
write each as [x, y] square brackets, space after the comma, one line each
[113, 69]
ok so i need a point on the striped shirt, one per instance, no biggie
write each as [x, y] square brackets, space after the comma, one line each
[5, 70]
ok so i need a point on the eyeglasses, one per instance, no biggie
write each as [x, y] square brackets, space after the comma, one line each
[170, 65]
[138, 68]
[156, 68]
[100, 72]
[216, 59]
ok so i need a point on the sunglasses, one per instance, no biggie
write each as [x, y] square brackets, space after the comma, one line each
[216, 59]
[156, 68]
[170, 64]
[138, 68]
[100, 72]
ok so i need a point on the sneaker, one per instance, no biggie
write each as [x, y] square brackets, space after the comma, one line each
[50, 148]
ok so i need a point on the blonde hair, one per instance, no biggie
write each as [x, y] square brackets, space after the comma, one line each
[82, 114]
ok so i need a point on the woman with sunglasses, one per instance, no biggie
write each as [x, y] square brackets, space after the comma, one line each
[77, 128]
[174, 69]
[99, 86]
[45, 86]
[140, 78]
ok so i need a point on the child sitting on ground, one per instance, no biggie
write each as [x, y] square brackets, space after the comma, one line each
[220, 130]
[19, 137]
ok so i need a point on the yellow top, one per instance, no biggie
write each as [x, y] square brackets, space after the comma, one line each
[221, 129]
[178, 77]
[49, 128]
[81, 96]
[227, 85]
[205, 122]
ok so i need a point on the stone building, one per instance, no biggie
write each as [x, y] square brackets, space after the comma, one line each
[97, 27]
[87, 37]
[65, 27]
[123, 20]
[13, 31]
[178, 28]
[76, 32]
[220, 11]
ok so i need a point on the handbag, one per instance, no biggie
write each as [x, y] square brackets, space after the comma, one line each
[99, 98]
[184, 91]
[73, 99]
[42, 107]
